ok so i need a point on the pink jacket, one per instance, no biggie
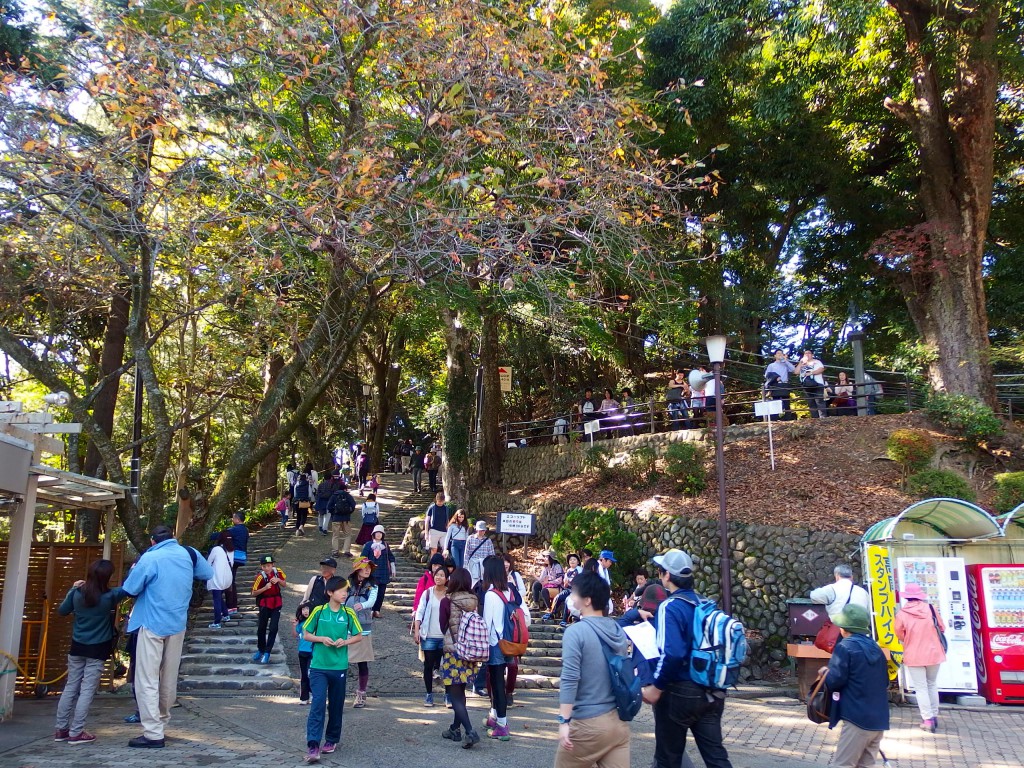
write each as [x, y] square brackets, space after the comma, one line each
[914, 628]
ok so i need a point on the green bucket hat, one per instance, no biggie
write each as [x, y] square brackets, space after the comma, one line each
[854, 619]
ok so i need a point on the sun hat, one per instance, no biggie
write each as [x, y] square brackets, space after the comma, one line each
[914, 592]
[329, 561]
[675, 561]
[853, 618]
[607, 554]
[363, 562]
[481, 525]
[652, 596]
[267, 559]
[378, 528]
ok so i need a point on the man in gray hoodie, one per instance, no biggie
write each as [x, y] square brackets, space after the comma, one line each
[590, 732]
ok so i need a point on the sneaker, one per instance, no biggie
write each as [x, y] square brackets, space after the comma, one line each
[452, 734]
[492, 722]
[313, 755]
[265, 659]
[360, 700]
[499, 732]
[214, 625]
[472, 737]
[61, 734]
[510, 699]
[328, 748]
[926, 725]
[428, 700]
[257, 656]
[227, 618]
[563, 624]
[448, 701]
[303, 702]
[82, 738]
[141, 742]
[133, 718]
[546, 617]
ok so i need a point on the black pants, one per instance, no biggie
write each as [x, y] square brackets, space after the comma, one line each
[432, 478]
[496, 680]
[301, 515]
[457, 693]
[231, 594]
[304, 659]
[266, 630]
[381, 589]
[431, 661]
[685, 706]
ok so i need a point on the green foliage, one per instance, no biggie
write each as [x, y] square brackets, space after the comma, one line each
[596, 529]
[971, 419]
[912, 449]
[685, 462]
[596, 460]
[263, 513]
[640, 468]
[1009, 490]
[940, 483]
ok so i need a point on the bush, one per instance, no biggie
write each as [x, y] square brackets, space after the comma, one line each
[640, 468]
[595, 460]
[596, 529]
[685, 463]
[910, 448]
[1009, 490]
[971, 419]
[936, 483]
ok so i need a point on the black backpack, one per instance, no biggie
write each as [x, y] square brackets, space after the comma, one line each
[342, 504]
[326, 489]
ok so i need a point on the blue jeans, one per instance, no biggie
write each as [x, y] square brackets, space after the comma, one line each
[218, 604]
[459, 552]
[679, 415]
[328, 689]
[684, 706]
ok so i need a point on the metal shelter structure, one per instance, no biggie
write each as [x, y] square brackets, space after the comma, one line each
[27, 487]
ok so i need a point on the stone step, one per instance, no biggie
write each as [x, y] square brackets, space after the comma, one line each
[545, 663]
[530, 681]
[233, 670]
[236, 683]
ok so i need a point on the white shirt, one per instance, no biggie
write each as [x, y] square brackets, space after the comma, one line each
[428, 614]
[494, 614]
[560, 425]
[221, 561]
[834, 597]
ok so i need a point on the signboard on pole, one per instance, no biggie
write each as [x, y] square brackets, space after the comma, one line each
[505, 377]
[766, 409]
[517, 523]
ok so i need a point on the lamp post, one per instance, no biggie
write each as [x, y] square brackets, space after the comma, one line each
[716, 354]
[367, 390]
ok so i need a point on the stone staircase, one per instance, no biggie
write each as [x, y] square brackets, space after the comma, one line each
[542, 664]
[220, 660]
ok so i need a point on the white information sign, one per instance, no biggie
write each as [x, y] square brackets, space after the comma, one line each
[592, 426]
[765, 408]
[517, 523]
[505, 377]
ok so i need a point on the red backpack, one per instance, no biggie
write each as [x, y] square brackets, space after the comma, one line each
[515, 634]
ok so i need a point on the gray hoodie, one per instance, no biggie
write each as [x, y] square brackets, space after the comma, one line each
[585, 679]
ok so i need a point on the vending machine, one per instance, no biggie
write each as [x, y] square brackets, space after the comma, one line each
[997, 617]
[944, 580]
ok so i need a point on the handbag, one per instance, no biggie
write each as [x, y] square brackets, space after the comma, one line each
[942, 637]
[819, 702]
[304, 505]
[828, 635]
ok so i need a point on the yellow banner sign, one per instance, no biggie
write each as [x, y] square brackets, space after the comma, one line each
[883, 605]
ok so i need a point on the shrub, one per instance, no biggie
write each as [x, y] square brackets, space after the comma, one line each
[934, 483]
[640, 468]
[910, 448]
[596, 529]
[1009, 490]
[971, 419]
[596, 459]
[685, 463]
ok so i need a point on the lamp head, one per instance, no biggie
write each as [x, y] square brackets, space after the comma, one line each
[716, 348]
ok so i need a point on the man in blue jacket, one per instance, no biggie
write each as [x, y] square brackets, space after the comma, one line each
[858, 672]
[161, 583]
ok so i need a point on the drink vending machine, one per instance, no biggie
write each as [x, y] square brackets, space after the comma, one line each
[997, 617]
[944, 580]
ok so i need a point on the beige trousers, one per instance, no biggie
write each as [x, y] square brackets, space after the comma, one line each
[156, 679]
[339, 531]
[857, 748]
[601, 741]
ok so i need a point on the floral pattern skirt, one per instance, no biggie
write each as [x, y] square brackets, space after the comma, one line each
[455, 671]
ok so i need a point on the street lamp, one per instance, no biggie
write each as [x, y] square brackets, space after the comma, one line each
[716, 354]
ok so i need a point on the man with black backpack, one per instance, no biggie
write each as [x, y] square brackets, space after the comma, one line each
[680, 704]
[341, 506]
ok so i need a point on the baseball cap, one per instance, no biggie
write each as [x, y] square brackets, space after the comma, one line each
[267, 559]
[329, 561]
[481, 525]
[652, 596]
[675, 561]
[607, 554]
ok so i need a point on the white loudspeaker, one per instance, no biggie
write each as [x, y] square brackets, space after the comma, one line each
[699, 380]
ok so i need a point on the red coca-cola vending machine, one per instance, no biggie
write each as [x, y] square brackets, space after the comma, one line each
[996, 593]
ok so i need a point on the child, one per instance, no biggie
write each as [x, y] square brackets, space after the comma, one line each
[374, 484]
[305, 652]
[371, 516]
[331, 628]
[267, 590]
[283, 506]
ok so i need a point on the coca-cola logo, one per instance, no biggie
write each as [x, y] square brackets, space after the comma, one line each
[979, 650]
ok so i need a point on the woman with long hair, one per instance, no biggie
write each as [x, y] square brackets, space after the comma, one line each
[93, 603]
[361, 597]
[221, 559]
[427, 628]
[455, 538]
[496, 595]
[456, 673]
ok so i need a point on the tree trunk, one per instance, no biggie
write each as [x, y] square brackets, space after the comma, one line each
[492, 442]
[952, 117]
[460, 398]
[267, 481]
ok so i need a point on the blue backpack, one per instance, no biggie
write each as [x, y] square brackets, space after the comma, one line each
[626, 683]
[719, 646]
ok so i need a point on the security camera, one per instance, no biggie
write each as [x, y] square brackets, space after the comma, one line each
[57, 398]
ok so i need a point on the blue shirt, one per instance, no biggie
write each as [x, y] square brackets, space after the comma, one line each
[675, 638]
[161, 583]
[781, 368]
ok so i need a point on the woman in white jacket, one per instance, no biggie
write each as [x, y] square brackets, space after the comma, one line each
[221, 559]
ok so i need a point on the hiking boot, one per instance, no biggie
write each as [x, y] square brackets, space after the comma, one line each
[492, 722]
[81, 738]
[499, 732]
[313, 755]
[472, 737]
[61, 734]
[328, 748]
[452, 734]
